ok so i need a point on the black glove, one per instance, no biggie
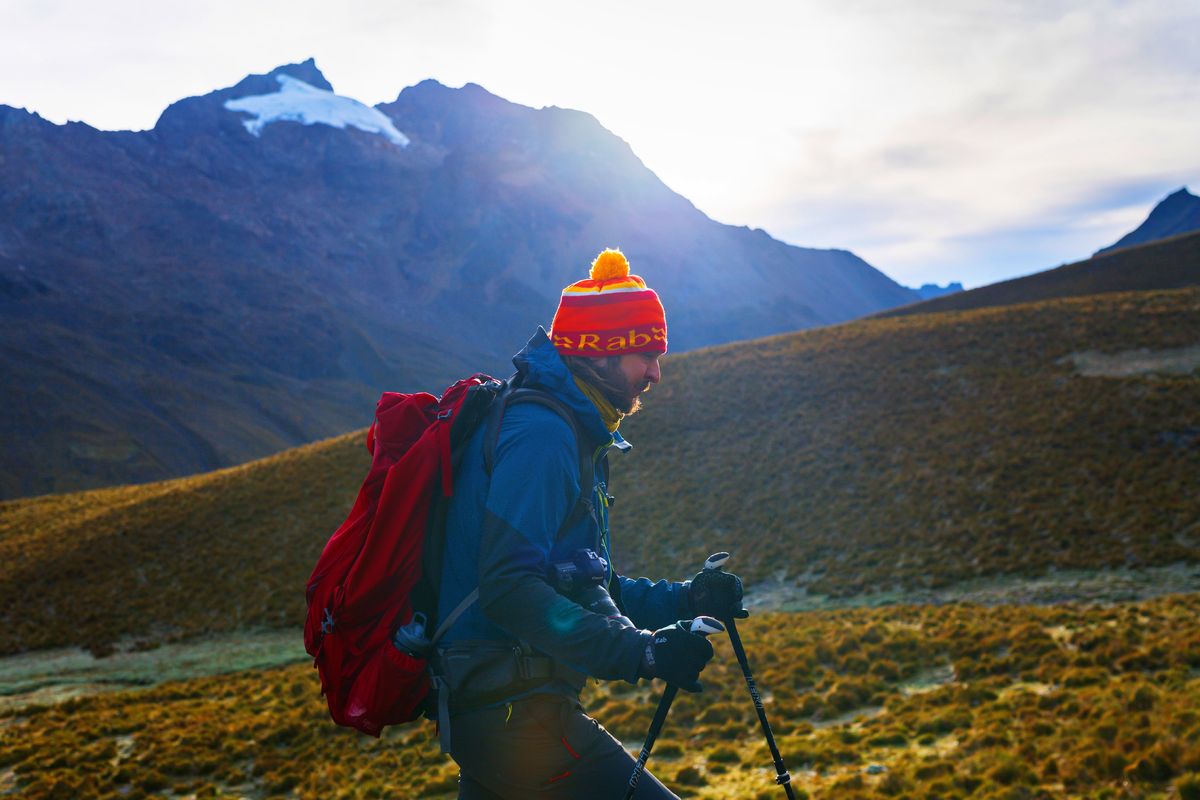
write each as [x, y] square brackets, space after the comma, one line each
[677, 655]
[714, 593]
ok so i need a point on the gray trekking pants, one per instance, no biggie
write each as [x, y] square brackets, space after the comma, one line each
[546, 748]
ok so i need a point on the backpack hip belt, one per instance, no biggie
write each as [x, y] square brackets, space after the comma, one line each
[473, 674]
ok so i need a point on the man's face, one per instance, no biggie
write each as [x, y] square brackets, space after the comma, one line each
[638, 371]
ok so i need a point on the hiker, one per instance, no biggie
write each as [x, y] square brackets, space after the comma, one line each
[552, 610]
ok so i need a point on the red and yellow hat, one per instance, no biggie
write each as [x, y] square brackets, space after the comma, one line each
[609, 314]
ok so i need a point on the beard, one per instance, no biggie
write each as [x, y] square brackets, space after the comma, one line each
[624, 395]
[606, 376]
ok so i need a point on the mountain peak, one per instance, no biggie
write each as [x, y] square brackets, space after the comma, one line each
[295, 100]
[1178, 212]
[184, 117]
[1181, 198]
[431, 90]
[306, 71]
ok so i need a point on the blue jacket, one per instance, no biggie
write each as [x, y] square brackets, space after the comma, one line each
[500, 536]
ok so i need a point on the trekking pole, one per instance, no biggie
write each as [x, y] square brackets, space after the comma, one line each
[703, 626]
[716, 562]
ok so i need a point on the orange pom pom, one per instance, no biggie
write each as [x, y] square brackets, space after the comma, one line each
[609, 265]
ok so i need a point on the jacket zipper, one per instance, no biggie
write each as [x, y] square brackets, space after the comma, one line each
[601, 490]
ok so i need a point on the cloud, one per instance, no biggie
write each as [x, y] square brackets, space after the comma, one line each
[1008, 123]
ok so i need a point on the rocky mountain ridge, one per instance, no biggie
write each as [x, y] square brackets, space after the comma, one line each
[197, 295]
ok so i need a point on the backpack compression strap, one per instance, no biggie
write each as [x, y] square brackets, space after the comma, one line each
[587, 474]
[453, 616]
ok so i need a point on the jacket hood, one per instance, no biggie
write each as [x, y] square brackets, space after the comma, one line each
[540, 366]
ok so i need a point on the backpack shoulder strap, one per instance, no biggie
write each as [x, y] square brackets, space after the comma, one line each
[513, 395]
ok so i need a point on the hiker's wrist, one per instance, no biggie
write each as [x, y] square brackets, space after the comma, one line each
[685, 603]
[646, 665]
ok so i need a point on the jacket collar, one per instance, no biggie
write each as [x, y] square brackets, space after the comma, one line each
[540, 366]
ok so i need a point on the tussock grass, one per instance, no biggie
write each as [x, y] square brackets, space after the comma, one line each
[1055, 702]
[886, 454]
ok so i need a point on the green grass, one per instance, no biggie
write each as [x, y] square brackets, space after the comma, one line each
[46, 676]
[954, 702]
[905, 454]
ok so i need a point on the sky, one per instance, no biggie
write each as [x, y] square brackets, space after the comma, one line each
[940, 140]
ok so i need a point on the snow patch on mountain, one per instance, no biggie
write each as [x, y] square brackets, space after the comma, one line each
[297, 101]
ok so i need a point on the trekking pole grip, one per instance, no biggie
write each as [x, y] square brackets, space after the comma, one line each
[702, 626]
[716, 561]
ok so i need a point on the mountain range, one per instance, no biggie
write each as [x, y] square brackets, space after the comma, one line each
[250, 274]
[928, 291]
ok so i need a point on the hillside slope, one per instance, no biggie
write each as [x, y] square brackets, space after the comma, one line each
[1167, 264]
[906, 452]
[922, 450]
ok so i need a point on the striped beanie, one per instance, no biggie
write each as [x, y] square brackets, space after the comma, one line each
[609, 314]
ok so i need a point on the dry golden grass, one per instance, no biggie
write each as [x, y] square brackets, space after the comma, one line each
[221, 551]
[893, 453]
[919, 451]
[949, 702]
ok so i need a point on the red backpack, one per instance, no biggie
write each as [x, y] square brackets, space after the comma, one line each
[363, 585]
[380, 568]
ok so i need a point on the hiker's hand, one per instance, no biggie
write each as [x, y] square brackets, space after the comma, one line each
[713, 593]
[677, 655]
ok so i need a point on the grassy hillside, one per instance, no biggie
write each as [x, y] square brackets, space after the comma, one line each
[892, 453]
[221, 551]
[917, 451]
[1164, 264]
[948, 702]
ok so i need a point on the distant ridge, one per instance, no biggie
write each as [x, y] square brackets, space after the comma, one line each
[1177, 213]
[928, 291]
[1165, 264]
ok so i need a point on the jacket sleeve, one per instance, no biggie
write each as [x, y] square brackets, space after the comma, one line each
[534, 485]
[654, 605]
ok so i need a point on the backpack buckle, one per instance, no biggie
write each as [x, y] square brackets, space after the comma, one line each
[327, 622]
[531, 667]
